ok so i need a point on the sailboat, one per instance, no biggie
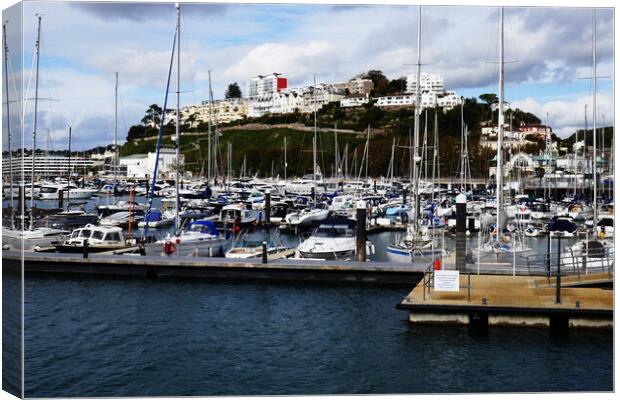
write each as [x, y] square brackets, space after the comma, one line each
[309, 216]
[417, 242]
[33, 237]
[201, 238]
[597, 251]
[497, 242]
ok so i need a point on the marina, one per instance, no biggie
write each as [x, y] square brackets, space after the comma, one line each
[371, 236]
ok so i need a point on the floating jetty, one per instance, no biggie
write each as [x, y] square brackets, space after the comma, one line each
[214, 268]
[584, 301]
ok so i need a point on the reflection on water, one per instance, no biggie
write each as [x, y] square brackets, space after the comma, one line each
[139, 337]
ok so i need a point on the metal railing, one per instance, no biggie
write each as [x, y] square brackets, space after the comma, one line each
[569, 263]
[428, 282]
[427, 279]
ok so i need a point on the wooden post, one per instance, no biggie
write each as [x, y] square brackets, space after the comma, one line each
[20, 197]
[267, 209]
[61, 196]
[558, 299]
[264, 252]
[85, 249]
[548, 255]
[360, 232]
[461, 214]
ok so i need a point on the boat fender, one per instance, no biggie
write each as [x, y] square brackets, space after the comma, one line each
[169, 247]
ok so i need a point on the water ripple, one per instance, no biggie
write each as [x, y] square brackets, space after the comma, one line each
[98, 337]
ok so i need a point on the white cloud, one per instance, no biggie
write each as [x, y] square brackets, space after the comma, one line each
[296, 61]
[566, 116]
[83, 49]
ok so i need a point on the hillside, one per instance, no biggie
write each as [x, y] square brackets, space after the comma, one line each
[264, 147]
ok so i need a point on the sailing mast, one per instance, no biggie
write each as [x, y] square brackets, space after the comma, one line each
[584, 152]
[425, 146]
[336, 163]
[594, 172]
[575, 163]
[213, 141]
[209, 133]
[346, 161]
[435, 157]
[500, 134]
[69, 165]
[229, 158]
[416, 135]
[391, 168]
[159, 137]
[8, 124]
[34, 127]
[314, 141]
[462, 161]
[178, 120]
[115, 131]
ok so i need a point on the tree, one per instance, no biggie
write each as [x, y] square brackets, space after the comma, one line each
[136, 132]
[191, 120]
[396, 86]
[380, 82]
[152, 116]
[372, 116]
[338, 114]
[233, 91]
[489, 98]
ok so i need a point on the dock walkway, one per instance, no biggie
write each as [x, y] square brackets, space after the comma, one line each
[514, 300]
[223, 268]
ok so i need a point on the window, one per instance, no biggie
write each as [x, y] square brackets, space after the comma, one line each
[98, 235]
[85, 233]
[114, 236]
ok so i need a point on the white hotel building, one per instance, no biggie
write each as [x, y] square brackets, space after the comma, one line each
[261, 93]
[222, 112]
[45, 166]
[269, 94]
[432, 94]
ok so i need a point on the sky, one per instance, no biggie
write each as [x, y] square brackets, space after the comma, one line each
[548, 52]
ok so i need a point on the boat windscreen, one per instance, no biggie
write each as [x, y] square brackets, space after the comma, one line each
[334, 231]
[85, 233]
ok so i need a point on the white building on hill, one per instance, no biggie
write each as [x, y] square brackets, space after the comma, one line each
[262, 91]
[142, 165]
[432, 94]
[354, 100]
[428, 83]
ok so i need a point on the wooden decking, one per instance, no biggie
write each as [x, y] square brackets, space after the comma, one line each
[515, 300]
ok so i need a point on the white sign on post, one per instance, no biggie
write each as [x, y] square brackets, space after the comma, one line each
[446, 281]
